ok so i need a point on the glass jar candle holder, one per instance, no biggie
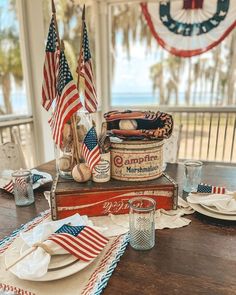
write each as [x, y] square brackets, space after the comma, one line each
[192, 175]
[23, 187]
[64, 162]
[142, 223]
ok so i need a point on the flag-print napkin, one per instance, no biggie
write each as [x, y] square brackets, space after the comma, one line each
[54, 235]
[38, 178]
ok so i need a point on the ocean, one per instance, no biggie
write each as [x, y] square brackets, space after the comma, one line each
[124, 99]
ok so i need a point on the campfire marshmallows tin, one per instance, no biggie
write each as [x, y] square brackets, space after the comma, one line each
[137, 160]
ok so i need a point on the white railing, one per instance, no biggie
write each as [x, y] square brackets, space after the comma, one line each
[206, 133]
[24, 126]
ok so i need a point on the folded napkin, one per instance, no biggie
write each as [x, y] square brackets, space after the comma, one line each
[38, 179]
[35, 265]
[222, 202]
[119, 224]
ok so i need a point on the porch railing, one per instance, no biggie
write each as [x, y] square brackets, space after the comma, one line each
[24, 126]
[206, 133]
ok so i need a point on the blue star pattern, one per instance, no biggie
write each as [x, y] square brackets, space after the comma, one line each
[204, 188]
[64, 76]
[52, 37]
[87, 54]
[69, 229]
[91, 139]
[90, 149]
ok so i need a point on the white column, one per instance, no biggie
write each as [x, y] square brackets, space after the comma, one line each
[32, 41]
[103, 56]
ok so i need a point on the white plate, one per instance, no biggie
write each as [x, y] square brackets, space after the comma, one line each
[204, 211]
[215, 210]
[13, 253]
[57, 261]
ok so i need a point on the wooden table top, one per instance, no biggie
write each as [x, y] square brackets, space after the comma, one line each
[197, 259]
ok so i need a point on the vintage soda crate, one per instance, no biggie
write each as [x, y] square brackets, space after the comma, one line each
[95, 199]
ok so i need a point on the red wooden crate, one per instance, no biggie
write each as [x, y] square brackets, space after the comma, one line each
[94, 199]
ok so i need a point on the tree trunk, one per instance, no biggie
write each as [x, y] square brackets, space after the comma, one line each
[6, 89]
[231, 72]
[189, 86]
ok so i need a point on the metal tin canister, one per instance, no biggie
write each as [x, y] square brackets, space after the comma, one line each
[137, 160]
[102, 171]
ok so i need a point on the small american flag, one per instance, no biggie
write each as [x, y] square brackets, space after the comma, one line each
[67, 102]
[21, 182]
[81, 241]
[90, 149]
[9, 187]
[85, 70]
[206, 188]
[50, 69]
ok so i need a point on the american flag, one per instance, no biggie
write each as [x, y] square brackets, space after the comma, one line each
[67, 102]
[206, 188]
[90, 149]
[9, 186]
[50, 69]
[81, 241]
[20, 181]
[85, 70]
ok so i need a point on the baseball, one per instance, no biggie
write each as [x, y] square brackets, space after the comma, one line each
[81, 173]
[128, 124]
[64, 163]
[67, 134]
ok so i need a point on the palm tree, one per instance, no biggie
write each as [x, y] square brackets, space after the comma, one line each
[10, 66]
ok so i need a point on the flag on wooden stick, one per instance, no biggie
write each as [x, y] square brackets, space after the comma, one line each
[51, 64]
[90, 149]
[85, 70]
[67, 101]
[81, 241]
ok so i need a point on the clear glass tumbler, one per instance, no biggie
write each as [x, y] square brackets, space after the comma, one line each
[142, 223]
[23, 187]
[192, 175]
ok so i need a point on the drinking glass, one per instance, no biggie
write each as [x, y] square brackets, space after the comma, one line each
[23, 187]
[192, 175]
[142, 223]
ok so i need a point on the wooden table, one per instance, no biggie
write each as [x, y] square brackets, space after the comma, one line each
[197, 259]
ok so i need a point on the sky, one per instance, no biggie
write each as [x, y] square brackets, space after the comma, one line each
[133, 74]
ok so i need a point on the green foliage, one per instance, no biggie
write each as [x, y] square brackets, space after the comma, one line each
[10, 61]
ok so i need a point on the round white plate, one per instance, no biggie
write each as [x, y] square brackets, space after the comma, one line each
[57, 261]
[204, 211]
[215, 210]
[13, 254]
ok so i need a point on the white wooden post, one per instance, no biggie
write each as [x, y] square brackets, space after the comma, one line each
[32, 41]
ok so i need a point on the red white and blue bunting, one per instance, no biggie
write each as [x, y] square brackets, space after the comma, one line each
[190, 27]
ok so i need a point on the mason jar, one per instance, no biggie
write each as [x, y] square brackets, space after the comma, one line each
[23, 187]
